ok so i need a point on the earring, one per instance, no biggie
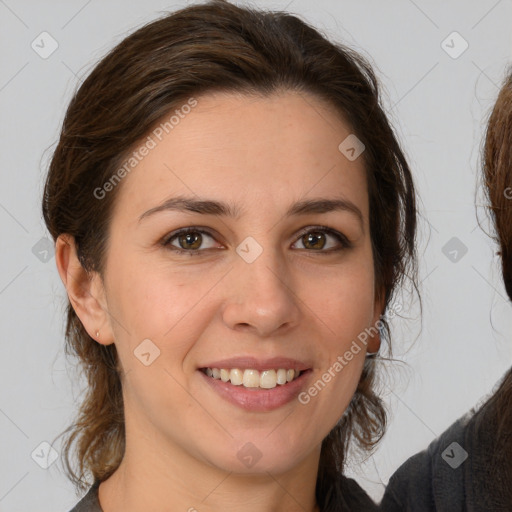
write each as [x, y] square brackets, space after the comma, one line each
[97, 334]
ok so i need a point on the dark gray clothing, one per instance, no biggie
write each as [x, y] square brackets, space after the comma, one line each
[90, 502]
[462, 470]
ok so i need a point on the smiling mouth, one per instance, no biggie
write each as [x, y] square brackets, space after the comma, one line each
[254, 379]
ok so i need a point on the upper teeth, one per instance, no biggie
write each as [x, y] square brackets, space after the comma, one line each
[253, 378]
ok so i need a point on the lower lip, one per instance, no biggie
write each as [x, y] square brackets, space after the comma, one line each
[258, 399]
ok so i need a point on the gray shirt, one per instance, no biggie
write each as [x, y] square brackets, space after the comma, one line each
[460, 471]
[90, 502]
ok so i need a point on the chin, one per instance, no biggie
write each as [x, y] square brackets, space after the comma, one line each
[259, 457]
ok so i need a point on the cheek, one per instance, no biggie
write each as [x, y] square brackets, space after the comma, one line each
[346, 303]
[350, 315]
[159, 304]
[347, 309]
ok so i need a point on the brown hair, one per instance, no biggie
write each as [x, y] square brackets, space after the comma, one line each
[496, 413]
[497, 171]
[202, 48]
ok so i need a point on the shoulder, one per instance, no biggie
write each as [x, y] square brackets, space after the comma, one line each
[344, 495]
[410, 486]
[354, 497]
[434, 478]
[90, 502]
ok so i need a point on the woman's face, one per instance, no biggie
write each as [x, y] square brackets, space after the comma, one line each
[271, 277]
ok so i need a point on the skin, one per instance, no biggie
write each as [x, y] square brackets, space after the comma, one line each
[295, 301]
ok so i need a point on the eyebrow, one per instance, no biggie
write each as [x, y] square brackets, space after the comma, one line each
[221, 209]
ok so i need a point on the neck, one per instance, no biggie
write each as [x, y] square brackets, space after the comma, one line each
[130, 490]
[152, 478]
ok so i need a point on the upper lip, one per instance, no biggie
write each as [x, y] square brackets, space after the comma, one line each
[254, 363]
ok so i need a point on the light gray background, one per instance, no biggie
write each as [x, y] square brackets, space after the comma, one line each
[438, 104]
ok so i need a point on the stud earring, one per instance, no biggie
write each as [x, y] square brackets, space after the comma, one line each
[97, 334]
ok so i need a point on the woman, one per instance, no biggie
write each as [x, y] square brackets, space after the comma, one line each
[232, 215]
[469, 467]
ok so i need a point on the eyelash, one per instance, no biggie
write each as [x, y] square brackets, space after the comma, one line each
[342, 239]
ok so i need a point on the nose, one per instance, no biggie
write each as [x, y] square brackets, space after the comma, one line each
[261, 298]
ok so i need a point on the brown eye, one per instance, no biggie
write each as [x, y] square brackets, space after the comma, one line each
[314, 240]
[190, 240]
[323, 240]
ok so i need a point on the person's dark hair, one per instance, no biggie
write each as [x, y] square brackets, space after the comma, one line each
[497, 173]
[204, 48]
[496, 413]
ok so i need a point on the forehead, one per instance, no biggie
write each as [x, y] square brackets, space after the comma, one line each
[248, 149]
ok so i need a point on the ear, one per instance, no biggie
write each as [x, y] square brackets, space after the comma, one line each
[85, 291]
[374, 340]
